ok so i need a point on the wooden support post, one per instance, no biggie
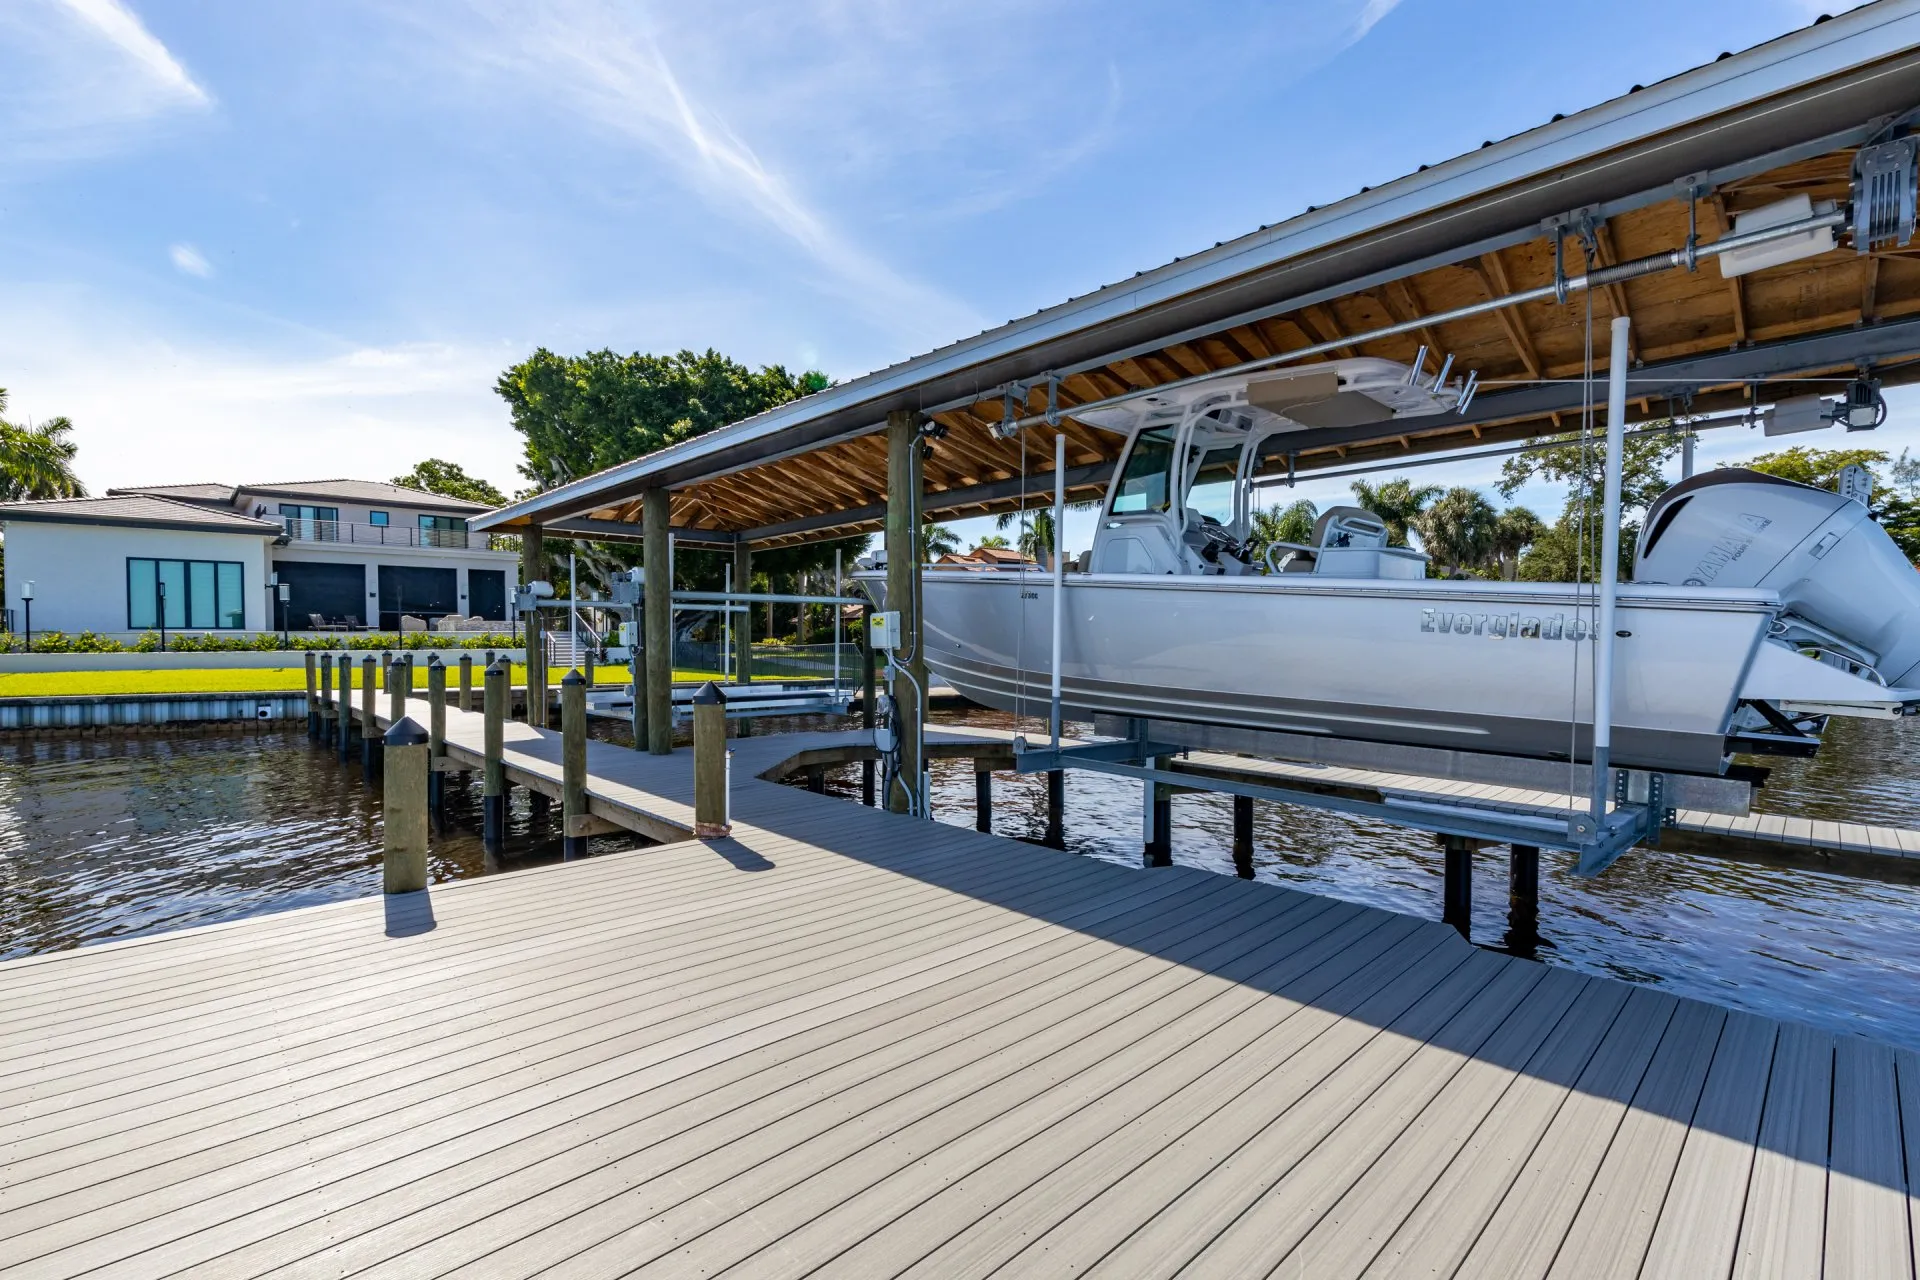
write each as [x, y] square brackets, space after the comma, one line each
[711, 762]
[403, 808]
[743, 621]
[817, 779]
[533, 569]
[868, 692]
[399, 681]
[313, 697]
[346, 707]
[437, 738]
[903, 581]
[326, 699]
[589, 666]
[1523, 900]
[573, 765]
[369, 729]
[493, 786]
[1056, 835]
[1243, 837]
[658, 604]
[1159, 816]
[1456, 886]
[466, 682]
[982, 797]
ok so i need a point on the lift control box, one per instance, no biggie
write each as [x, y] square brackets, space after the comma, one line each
[884, 631]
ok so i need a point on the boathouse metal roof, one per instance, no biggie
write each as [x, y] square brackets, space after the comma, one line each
[1740, 132]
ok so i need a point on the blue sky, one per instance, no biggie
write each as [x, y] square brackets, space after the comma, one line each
[291, 240]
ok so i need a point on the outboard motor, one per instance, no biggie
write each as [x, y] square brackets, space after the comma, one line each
[1849, 590]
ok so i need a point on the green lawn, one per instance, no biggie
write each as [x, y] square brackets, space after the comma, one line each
[68, 684]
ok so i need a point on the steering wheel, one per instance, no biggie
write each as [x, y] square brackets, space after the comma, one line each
[1216, 539]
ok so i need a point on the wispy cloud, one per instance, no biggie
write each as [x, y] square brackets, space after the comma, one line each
[190, 260]
[1370, 14]
[76, 75]
[607, 66]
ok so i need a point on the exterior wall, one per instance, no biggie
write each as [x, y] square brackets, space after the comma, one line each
[79, 571]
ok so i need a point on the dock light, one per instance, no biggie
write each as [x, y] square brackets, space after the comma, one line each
[26, 601]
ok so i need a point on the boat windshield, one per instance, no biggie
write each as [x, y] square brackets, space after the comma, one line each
[1211, 493]
[1143, 485]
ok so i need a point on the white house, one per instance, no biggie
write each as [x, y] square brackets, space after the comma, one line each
[206, 557]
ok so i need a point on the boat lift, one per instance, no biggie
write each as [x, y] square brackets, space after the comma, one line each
[1624, 808]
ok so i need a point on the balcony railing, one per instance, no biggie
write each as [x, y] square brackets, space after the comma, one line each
[385, 535]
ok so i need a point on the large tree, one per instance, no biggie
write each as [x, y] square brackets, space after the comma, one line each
[450, 480]
[1896, 502]
[581, 414]
[37, 461]
[1291, 523]
[1395, 503]
[1457, 530]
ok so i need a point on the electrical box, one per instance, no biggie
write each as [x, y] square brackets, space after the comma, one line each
[884, 631]
[629, 635]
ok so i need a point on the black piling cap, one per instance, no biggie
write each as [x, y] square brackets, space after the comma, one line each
[573, 677]
[433, 660]
[709, 695]
[406, 732]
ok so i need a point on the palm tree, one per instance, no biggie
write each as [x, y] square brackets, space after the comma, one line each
[37, 461]
[991, 540]
[1457, 529]
[937, 540]
[1396, 504]
[1514, 530]
[1291, 523]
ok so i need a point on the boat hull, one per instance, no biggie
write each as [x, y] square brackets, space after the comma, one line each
[1503, 668]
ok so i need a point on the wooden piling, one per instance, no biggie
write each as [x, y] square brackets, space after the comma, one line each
[313, 697]
[1523, 899]
[904, 554]
[1056, 835]
[346, 707]
[1456, 884]
[573, 765]
[493, 785]
[817, 779]
[369, 732]
[1243, 837]
[437, 738]
[743, 621]
[399, 684]
[657, 605]
[403, 807]
[326, 699]
[711, 761]
[466, 682]
[982, 798]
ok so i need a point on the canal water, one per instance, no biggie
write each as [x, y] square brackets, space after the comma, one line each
[109, 837]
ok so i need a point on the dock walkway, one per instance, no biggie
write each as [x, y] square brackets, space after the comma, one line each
[847, 1043]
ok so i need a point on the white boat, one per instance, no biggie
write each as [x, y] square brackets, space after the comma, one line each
[1757, 606]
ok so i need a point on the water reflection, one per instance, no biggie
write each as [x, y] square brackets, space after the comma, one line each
[109, 837]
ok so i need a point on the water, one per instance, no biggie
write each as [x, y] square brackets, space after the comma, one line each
[111, 837]
[108, 837]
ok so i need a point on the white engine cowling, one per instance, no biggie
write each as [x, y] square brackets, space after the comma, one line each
[1831, 564]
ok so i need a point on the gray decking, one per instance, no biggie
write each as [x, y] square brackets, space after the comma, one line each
[849, 1043]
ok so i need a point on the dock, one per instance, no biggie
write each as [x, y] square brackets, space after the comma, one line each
[850, 1043]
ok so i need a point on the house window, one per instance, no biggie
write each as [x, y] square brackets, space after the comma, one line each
[310, 523]
[378, 518]
[204, 595]
[443, 531]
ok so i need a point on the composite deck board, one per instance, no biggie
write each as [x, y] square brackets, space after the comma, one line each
[848, 1043]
